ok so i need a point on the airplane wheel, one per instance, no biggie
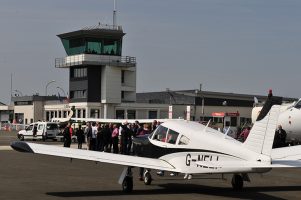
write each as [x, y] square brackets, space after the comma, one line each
[237, 182]
[21, 137]
[127, 184]
[147, 178]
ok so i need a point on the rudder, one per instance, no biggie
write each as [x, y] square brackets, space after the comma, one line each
[261, 137]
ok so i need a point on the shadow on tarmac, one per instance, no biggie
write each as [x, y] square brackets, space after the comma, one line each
[247, 193]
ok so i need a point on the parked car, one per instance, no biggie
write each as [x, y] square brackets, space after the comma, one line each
[45, 130]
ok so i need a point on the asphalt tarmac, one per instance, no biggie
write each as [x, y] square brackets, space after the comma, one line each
[31, 176]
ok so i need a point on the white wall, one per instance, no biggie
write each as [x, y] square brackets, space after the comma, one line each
[111, 84]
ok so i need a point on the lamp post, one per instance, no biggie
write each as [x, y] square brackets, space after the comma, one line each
[62, 90]
[18, 91]
[195, 98]
[47, 86]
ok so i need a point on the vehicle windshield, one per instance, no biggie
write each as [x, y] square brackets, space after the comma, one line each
[52, 127]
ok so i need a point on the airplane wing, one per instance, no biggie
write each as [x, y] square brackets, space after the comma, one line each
[96, 156]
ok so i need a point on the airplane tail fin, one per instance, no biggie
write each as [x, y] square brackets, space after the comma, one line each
[261, 137]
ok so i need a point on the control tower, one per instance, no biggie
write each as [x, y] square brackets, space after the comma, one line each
[98, 72]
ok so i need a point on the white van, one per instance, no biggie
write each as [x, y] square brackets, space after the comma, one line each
[45, 130]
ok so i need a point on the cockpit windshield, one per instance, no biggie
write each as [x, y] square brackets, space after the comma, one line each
[164, 134]
[172, 136]
[298, 104]
[160, 134]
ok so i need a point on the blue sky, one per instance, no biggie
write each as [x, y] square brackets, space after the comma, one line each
[240, 46]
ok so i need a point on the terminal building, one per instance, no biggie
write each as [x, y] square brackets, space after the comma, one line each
[102, 84]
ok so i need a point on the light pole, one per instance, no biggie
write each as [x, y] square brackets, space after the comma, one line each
[18, 91]
[62, 90]
[195, 101]
[47, 86]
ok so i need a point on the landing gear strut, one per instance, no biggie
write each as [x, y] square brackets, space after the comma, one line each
[237, 182]
[127, 184]
[126, 180]
[147, 178]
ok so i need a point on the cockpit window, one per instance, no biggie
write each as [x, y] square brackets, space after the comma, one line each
[298, 105]
[184, 140]
[160, 134]
[172, 136]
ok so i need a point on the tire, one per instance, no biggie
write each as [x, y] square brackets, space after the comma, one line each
[237, 182]
[147, 179]
[21, 137]
[127, 184]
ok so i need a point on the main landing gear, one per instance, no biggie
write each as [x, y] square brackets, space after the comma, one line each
[238, 181]
[147, 177]
[126, 180]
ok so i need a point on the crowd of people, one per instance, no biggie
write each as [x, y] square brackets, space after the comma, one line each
[108, 137]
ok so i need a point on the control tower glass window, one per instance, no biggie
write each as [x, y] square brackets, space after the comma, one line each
[92, 46]
[74, 46]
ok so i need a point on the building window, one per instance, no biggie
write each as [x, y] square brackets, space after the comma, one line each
[131, 114]
[122, 76]
[31, 120]
[78, 94]
[152, 114]
[94, 113]
[47, 115]
[26, 121]
[78, 72]
[60, 114]
[122, 94]
[119, 114]
[79, 113]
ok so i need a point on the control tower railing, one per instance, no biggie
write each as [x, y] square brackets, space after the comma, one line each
[92, 59]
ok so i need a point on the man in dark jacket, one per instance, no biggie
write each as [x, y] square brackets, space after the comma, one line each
[80, 136]
[67, 135]
[280, 138]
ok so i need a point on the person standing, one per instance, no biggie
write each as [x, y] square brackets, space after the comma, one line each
[115, 134]
[280, 138]
[80, 137]
[93, 142]
[107, 135]
[88, 133]
[67, 135]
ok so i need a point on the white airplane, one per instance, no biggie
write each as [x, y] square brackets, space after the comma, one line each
[191, 148]
[289, 119]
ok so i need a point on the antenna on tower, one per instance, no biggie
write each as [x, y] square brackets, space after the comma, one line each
[114, 15]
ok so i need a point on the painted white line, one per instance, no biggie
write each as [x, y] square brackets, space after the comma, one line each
[5, 148]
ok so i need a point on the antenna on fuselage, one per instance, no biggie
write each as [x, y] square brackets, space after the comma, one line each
[226, 133]
[207, 124]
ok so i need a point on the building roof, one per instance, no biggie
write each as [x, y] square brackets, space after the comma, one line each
[97, 31]
[195, 97]
[36, 98]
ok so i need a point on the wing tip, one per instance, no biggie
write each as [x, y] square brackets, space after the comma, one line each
[21, 147]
